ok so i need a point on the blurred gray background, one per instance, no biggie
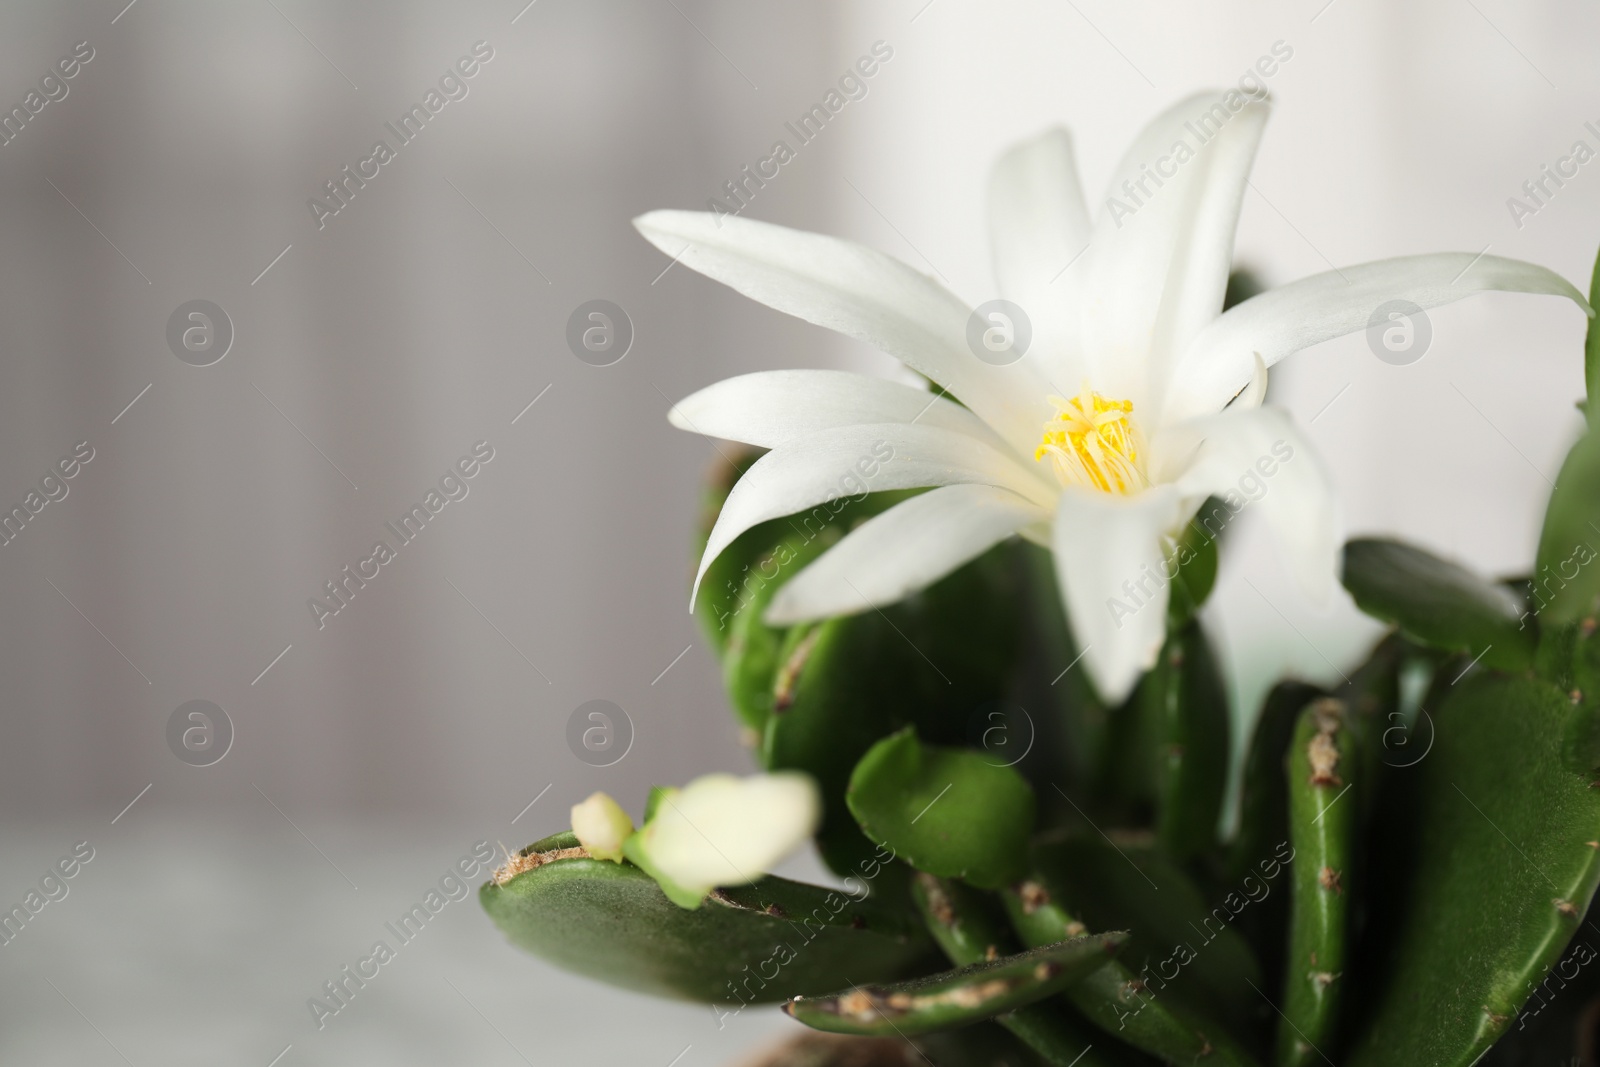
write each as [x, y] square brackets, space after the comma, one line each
[370, 354]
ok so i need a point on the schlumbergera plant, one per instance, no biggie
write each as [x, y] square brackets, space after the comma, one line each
[958, 627]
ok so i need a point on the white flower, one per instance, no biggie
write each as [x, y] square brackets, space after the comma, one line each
[722, 830]
[601, 826]
[1135, 400]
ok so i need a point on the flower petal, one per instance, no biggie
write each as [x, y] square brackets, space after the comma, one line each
[772, 408]
[722, 830]
[833, 464]
[1261, 461]
[1282, 321]
[861, 293]
[907, 548]
[1109, 553]
[1038, 226]
[1163, 245]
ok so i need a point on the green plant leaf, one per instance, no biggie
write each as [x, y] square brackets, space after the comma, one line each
[1074, 720]
[1165, 761]
[740, 583]
[1324, 824]
[1438, 603]
[1264, 794]
[831, 708]
[970, 927]
[1184, 699]
[948, 811]
[933, 660]
[1134, 887]
[758, 943]
[1120, 1002]
[754, 649]
[1557, 1026]
[1491, 857]
[968, 924]
[1242, 285]
[1591, 347]
[653, 800]
[1197, 559]
[1566, 581]
[964, 995]
[717, 605]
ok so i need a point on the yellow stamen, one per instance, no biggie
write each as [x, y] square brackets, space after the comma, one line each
[1093, 442]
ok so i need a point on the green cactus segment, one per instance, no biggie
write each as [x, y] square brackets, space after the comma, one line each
[1242, 285]
[1185, 951]
[932, 660]
[740, 583]
[1496, 862]
[754, 649]
[1263, 838]
[952, 812]
[758, 943]
[955, 998]
[1184, 699]
[979, 1045]
[966, 923]
[1380, 723]
[969, 928]
[1118, 1001]
[1591, 348]
[1264, 793]
[1556, 1026]
[1438, 603]
[721, 590]
[1197, 559]
[1566, 580]
[1324, 823]
[1166, 750]
[1063, 691]
[831, 706]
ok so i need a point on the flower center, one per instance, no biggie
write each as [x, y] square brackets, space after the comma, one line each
[1092, 442]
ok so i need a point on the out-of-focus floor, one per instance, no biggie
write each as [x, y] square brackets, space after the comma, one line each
[198, 941]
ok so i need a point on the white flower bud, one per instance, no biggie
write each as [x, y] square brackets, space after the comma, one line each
[722, 830]
[601, 826]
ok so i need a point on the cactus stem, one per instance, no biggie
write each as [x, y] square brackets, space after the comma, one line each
[1034, 896]
[788, 678]
[1323, 750]
[866, 1007]
[938, 900]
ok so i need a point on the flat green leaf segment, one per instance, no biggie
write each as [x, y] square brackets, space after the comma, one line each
[1493, 860]
[1122, 1002]
[1438, 603]
[1186, 707]
[970, 928]
[758, 943]
[957, 813]
[815, 696]
[965, 995]
[1591, 345]
[1186, 952]
[1566, 578]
